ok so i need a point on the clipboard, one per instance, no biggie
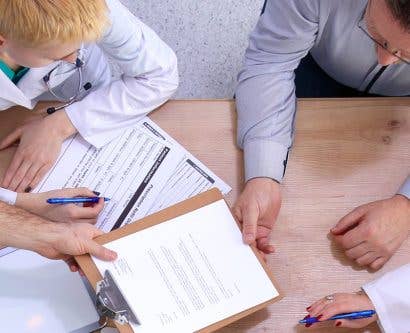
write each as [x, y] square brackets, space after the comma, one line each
[110, 303]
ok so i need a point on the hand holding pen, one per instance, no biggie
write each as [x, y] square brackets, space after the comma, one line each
[87, 213]
[353, 310]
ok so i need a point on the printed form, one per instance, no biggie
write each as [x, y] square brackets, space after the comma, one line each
[137, 171]
[142, 171]
[189, 272]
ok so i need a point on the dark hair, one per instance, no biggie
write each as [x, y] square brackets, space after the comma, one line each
[401, 12]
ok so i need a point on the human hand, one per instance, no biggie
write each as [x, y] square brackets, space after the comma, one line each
[256, 209]
[36, 203]
[39, 146]
[65, 240]
[371, 233]
[342, 303]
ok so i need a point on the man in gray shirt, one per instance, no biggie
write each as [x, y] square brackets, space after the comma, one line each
[364, 48]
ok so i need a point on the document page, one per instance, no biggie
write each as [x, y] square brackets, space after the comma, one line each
[189, 272]
[137, 171]
[130, 170]
[142, 171]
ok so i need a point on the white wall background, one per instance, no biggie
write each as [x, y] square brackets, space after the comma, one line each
[208, 36]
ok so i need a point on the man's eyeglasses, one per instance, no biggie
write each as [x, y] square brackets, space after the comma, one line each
[385, 45]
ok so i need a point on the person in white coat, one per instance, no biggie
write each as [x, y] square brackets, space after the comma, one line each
[389, 296]
[56, 50]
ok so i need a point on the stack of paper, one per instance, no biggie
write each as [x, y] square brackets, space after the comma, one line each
[142, 171]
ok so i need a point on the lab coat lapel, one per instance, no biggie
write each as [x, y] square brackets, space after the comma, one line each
[11, 95]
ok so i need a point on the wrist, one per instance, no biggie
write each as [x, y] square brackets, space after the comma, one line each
[33, 234]
[404, 204]
[60, 125]
[27, 202]
[263, 180]
[22, 200]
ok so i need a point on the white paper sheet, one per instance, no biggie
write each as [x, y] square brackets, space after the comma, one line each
[137, 171]
[130, 170]
[187, 273]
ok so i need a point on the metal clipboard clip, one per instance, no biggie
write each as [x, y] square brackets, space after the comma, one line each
[111, 303]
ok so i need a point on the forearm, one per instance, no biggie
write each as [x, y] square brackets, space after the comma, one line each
[265, 95]
[22, 229]
[265, 124]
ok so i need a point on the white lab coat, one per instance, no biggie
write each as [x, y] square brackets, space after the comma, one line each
[390, 295]
[150, 78]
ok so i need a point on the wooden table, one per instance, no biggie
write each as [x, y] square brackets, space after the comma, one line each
[347, 152]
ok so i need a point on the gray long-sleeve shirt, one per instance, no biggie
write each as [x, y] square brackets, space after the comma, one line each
[265, 95]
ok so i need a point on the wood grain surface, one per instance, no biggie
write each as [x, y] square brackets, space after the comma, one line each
[346, 152]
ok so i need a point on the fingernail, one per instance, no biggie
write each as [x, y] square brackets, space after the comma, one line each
[338, 323]
[28, 189]
[308, 325]
[308, 308]
[113, 255]
[318, 317]
[96, 193]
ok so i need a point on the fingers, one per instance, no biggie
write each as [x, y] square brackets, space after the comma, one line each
[342, 303]
[317, 308]
[250, 215]
[19, 174]
[378, 263]
[40, 175]
[28, 177]
[367, 259]
[72, 265]
[24, 173]
[357, 323]
[348, 221]
[90, 212]
[14, 165]
[358, 251]
[264, 246]
[99, 251]
[351, 238]
[11, 138]
[238, 213]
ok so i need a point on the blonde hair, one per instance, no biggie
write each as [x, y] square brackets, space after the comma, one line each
[35, 22]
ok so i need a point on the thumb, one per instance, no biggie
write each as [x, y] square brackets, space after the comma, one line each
[348, 221]
[250, 215]
[358, 323]
[11, 138]
[99, 251]
[238, 213]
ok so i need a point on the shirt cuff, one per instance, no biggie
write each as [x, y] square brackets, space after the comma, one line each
[7, 196]
[264, 159]
[381, 310]
[405, 188]
[90, 131]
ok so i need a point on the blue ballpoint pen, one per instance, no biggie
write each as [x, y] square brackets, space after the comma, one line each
[350, 316]
[75, 200]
